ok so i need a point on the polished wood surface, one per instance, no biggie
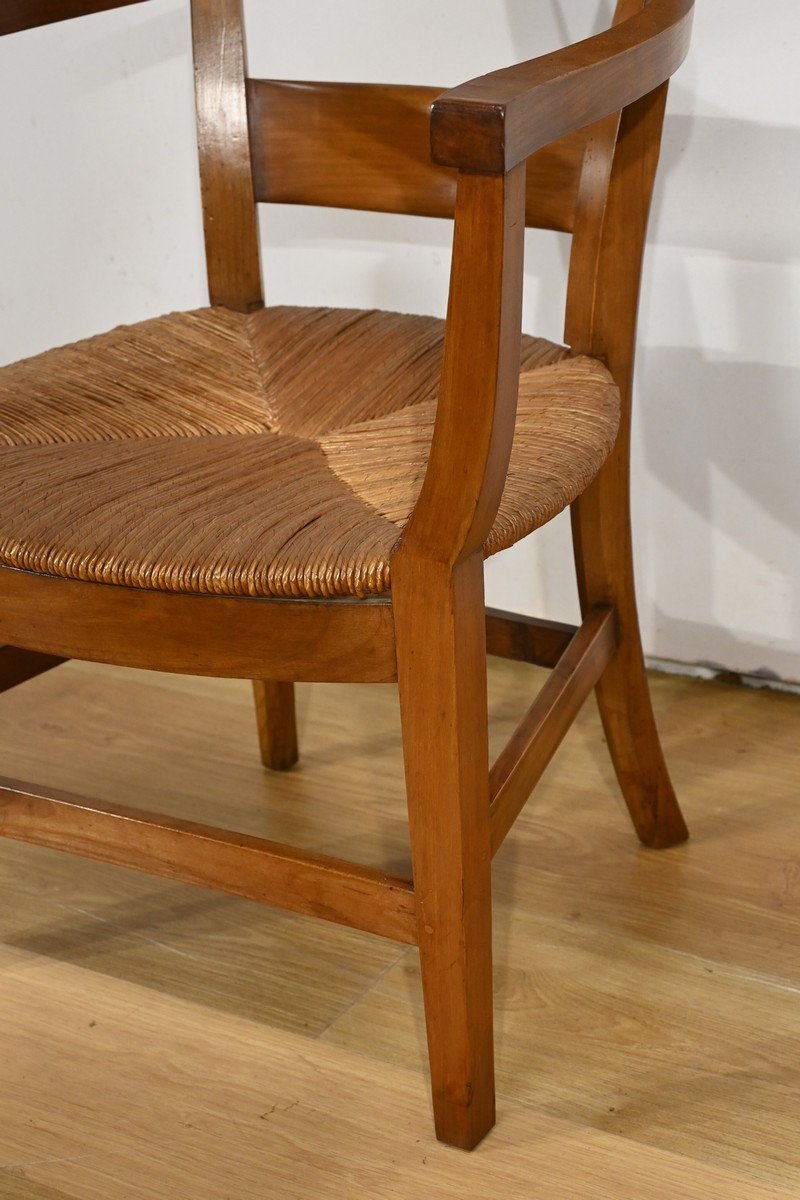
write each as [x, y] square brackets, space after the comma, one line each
[474, 428]
[16, 15]
[226, 173]
[522, 761]
[601, 317]
[347, 145]
[430, 631]
[159, 1040]
[495, 122]
[199, 635]
[217, 858]
[526, 639]
[277, 726]
[441, 659]
[367, 146]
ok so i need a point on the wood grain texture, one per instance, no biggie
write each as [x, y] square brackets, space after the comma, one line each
[495, 122]
[199, 635]
[16, 15]
[660, 986]
[522, 762]
[226, 174]
[601, 319]
[526, 639]
[591, 248]
[475, 415]
[14, 1186]
[240, 1101]
[253, 868]
[277, 726]
[367, 146]
[437, 512]
[347, 145]
[441, 660]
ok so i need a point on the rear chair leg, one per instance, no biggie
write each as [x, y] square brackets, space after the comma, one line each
[604, 561]
[277, 727]
[441, 655]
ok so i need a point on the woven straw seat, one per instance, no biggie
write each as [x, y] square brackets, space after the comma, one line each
[155, 477]
[278, 453]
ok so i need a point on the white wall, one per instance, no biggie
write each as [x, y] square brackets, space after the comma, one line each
[100, 223]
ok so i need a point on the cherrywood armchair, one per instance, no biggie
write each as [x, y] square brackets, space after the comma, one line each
[307, 494]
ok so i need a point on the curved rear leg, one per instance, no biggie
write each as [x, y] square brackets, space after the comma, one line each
[277, 727]
[604, 562]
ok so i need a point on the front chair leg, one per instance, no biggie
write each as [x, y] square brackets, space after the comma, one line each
[441, 656]
[277, 726]
[604, 560]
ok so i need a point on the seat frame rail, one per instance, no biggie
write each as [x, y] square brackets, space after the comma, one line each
[301, 881]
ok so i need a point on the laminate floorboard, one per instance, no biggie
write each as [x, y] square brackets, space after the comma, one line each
[158, 1040]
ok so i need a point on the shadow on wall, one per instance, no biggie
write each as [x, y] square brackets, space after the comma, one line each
[718, 384]
[571, 22]
[722, 438]
[736, 189]
[719, 413]
[718, 406]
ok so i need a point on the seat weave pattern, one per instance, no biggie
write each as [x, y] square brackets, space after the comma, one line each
[277, 453]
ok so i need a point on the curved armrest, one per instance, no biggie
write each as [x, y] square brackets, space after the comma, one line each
[496, 121]
[16, 15]
[477, 405]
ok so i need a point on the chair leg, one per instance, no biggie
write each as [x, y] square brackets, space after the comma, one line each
[441, 654]
[277, 728]
[604, 560]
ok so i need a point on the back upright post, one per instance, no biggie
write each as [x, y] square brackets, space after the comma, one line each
[233, 263]
[602, 306]
[226, 171]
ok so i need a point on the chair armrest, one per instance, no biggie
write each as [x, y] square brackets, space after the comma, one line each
[496, 121]
[16, 15]
[476, 410]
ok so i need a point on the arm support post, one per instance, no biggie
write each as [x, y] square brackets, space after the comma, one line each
[477, 406]
[498, 120]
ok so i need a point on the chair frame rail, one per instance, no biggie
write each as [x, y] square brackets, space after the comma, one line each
[570, 141]
[282, 876]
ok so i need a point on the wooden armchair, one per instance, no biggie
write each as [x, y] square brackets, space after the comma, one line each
[286, 494]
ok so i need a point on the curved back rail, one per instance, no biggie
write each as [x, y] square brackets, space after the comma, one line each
[571, 141]
[561, 131]
[359, 146]
[367, 146]
[16, 15]
[614, 86]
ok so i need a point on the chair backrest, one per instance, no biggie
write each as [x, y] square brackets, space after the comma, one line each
[362, 146]
[609, 231]
[347, 145]
[367, 146]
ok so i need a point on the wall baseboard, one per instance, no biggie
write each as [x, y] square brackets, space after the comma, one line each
[759, 680]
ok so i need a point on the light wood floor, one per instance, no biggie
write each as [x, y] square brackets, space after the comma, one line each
[159, 1041]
